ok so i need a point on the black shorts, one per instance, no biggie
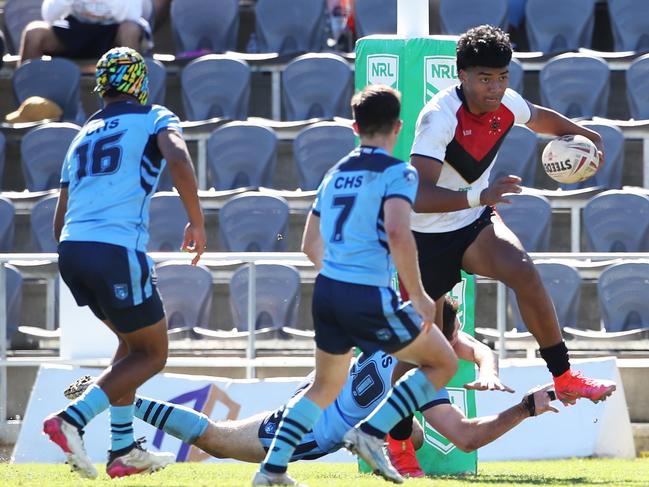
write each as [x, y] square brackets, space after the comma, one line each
[440, 254]
[84, 40]
[308, 448]
[115, 282]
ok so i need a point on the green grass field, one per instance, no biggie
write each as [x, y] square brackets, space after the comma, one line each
[581, 472]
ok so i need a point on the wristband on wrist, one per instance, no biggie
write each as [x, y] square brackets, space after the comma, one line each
[528, 402]
[473, 197]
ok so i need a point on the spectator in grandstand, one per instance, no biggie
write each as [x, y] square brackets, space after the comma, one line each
[84, 28]
[108, 177]
[457, 136]
[358, 226]
[248, 439]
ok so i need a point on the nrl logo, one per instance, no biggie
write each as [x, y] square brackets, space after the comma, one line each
[383, 69]
[458, 398]
[440, 72]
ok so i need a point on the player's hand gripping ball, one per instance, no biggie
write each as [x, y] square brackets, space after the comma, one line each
[570, 159]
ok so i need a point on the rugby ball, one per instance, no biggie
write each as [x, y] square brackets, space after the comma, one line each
[570, 159]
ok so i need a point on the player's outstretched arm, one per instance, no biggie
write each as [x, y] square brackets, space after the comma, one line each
[468, 348]
[312, 244]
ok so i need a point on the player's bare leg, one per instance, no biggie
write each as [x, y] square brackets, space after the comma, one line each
[237, 439]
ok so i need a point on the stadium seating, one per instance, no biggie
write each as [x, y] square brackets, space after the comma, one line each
[637, 88]
[317, 148]
[186, 291]
[7, 225]
[288, 27]
[623, 290]
[57, 80]
[558, 26]
[277, 296]
[216, 86]
[42, 151]
[253, 222]
[617, 221]
[167, 220]
[516, 75]
[42, 224]
[241, 154]
[157, 81]
[3, 145]
[375, 17]
[575, 85]
[457, 16]
[211, 25]
[17, 14]
[317, 85]
[609, 175]
[517, 155]
[529, 217]
[629, 23]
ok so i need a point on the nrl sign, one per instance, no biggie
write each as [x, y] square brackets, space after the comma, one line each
[383, 69]
[440, 72]
[458, 398]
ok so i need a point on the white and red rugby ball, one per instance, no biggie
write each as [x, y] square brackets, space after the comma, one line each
[570, 159]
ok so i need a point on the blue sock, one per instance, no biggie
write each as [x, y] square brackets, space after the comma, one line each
[121, 427]
[92, 402]
[300, 415]
[179, 421]
[410, 392]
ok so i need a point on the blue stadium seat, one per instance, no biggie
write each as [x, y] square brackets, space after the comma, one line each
[623, 289]
[157, 81]
[167, 221]
[518, 155]
[277, 296]
[186, 291]
[42, 151]
[317, 148]
[216, 86]
[254, 222]
[234, 162]
[516, 75]
[17, 14]
[288, 27]
[200, 24]
[3, 146]
[529, 217]
[575, 85]
[458, 16]
[57, 80]
[617, 221]
[558, 26]
[637, 88]
[317, 85]
[7, 225]
[629, 23]
[42, 224]
[375, 17]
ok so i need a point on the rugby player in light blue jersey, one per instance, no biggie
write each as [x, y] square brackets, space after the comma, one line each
[109, 174]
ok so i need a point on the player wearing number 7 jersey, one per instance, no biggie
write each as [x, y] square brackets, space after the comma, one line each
[109, 174]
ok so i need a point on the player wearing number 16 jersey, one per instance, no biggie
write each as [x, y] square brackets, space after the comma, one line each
[109, 174]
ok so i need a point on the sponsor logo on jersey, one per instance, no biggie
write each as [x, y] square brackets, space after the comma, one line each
[121, 291]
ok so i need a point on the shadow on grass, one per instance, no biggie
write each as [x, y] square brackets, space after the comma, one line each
[486, 479]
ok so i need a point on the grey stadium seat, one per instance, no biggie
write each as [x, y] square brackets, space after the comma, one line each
[518, 155]
[616, 221]
[253, 222]
[3, 146]
[216, 86]
[529, 217]
[575, 85]
[290, 27]
[277, 293]
[610, 174]
[317, 148]
[637, 88]
[42, 151]
[7, 224]
[563, 284]
[186, 291]
[458, 16]
[629, 23]
[167, 221]
[42, 224]
[157, 81]
[375, 17]
[317, 85]
[559, 26]
[14, 299]
[200, 24]
[516, 75]
[57, 80]
[235, 162]
[17, 14]
[623, 289]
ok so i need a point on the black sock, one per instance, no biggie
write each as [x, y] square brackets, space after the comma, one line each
[403, 429]
[557, 359]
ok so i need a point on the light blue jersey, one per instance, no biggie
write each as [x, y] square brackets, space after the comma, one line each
[350, 206]
[112, 169]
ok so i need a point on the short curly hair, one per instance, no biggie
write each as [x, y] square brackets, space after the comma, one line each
[484, 45]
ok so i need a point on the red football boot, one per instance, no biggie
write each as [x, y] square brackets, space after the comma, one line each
[571, 386]
[403, 458]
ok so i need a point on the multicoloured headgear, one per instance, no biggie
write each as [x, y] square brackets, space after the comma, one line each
[123, 69]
